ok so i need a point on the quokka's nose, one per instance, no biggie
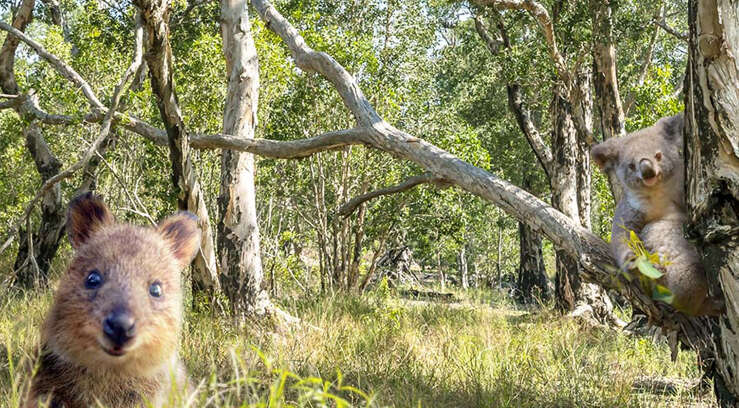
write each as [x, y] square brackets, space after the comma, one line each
[119, 326]
[646, 168]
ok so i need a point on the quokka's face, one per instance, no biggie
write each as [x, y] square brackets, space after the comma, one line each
[119, 306]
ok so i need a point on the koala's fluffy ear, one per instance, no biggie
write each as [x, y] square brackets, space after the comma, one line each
[182, 233]
[672, 127]
[86, 214]
[605, 154]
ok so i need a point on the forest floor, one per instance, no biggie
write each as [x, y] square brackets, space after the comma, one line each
[382, 350]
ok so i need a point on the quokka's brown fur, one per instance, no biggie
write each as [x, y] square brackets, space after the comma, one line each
[112, 340]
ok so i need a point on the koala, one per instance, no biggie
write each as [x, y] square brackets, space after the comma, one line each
[112, 334]
[650, 169]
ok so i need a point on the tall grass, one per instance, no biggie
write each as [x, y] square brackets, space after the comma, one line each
[381, 350]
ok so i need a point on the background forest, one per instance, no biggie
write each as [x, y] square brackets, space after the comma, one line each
[492, 328]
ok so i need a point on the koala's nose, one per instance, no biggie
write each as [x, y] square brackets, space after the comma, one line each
[119, 326]
[647, 170]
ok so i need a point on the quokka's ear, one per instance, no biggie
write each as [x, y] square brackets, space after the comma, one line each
[182, 233]
[605, 154]
[86, 214]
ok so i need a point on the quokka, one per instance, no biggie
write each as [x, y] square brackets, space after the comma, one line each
[111, 336]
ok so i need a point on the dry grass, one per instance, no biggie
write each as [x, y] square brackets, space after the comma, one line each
[379, 350]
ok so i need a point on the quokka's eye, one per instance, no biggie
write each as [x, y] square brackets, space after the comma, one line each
[94, 280]
[155, 289]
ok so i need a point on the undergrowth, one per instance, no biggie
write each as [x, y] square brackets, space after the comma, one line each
[382, 350]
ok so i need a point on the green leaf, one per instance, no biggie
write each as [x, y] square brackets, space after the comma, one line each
[647, 269]
[663, 294]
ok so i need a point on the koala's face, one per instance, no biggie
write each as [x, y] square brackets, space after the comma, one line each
[646, 159]
[119, 305]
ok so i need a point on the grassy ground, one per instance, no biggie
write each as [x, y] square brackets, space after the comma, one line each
[380, 350]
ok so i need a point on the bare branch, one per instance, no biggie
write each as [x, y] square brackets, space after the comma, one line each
[539, 12]
[661, 23]
[105, 131]
[293, 149]
[64, 69]
[492, 44]
[351, 205]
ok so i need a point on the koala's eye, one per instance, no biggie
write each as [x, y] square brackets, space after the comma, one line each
[155, 289]
[632, 167]
[658, 156]
[93, 280]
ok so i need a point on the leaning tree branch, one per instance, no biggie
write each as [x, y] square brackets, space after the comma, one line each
[577, 241]
[591, 251]
[351, 205]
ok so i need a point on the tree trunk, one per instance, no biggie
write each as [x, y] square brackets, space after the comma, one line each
[712, 171]
[583, 103]
[45, 241]
[612, 122]
[532, 283]
[572, 294]
[608, 100]
[564, 198]
[238, 231]
[158, 57]
[498, 258]
[53, 218]
[442, 277]
[462, 264]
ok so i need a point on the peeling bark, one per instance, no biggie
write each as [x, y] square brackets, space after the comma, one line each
[612, 122]
[238, 232]
[712, 170]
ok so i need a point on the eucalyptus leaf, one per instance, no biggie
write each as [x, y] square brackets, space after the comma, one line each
[647, 268]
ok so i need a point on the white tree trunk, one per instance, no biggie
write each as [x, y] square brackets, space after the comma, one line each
[238, 231]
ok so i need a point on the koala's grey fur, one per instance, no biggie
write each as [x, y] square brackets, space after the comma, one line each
[650, 168]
